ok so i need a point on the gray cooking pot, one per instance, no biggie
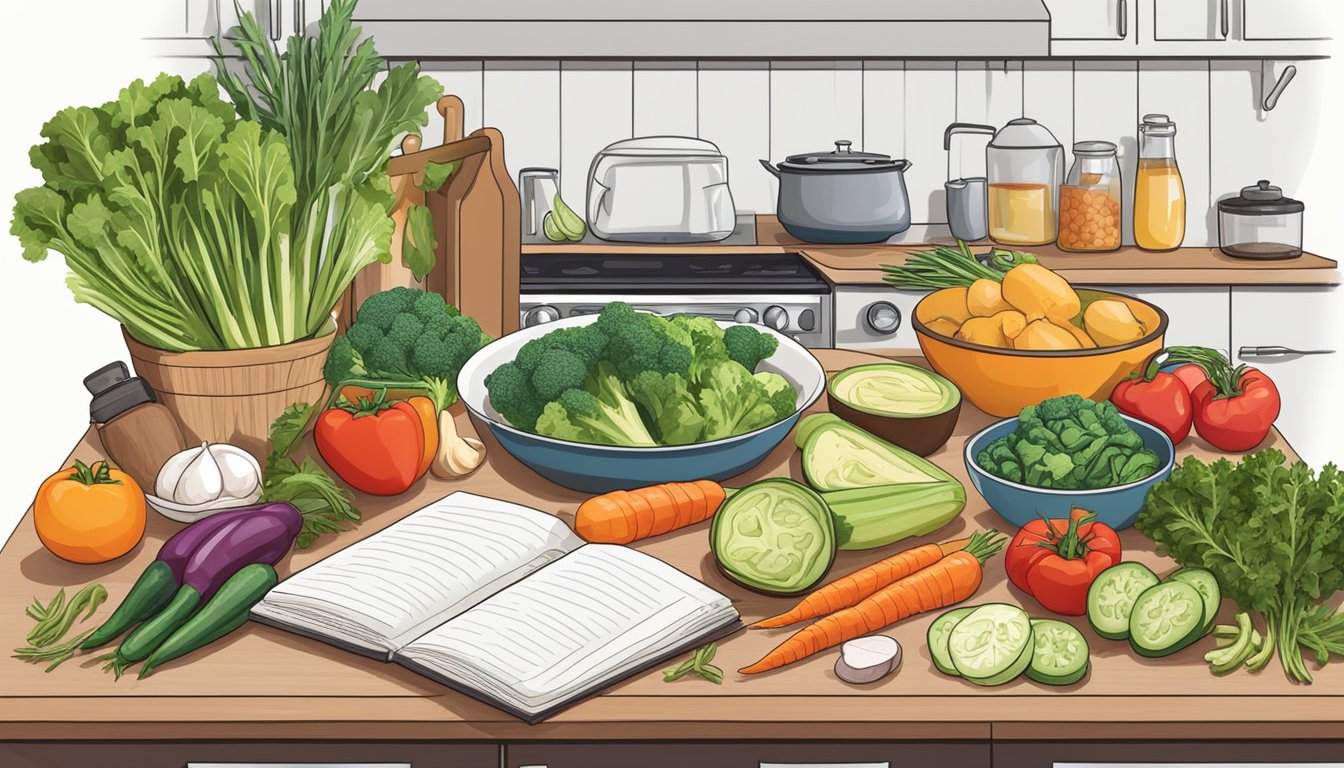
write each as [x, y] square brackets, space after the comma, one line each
[842, 196]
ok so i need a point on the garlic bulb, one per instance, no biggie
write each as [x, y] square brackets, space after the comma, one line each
[204, 479]
[457, 455]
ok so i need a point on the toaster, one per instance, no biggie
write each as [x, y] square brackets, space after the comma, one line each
[660, 189]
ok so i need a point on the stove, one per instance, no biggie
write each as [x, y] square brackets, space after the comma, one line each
[779, 290]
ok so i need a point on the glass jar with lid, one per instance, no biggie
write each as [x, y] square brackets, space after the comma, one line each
[1260, 223]
[1089, 199]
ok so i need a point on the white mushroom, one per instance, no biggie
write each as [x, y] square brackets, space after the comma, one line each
[868, 659]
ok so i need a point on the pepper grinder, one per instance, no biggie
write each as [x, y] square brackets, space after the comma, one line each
[138, 433]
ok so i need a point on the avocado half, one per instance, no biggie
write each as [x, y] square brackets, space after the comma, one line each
[920, 433]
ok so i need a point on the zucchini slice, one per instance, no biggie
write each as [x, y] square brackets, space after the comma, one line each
[1111, 598]
[939, 631]
[992, 645]
[1060, 655]
[1204, 582]
[1166, 618]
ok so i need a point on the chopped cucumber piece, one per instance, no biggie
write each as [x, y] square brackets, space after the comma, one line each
[939, 631]
[1060, 654]
[992, 644]
[1207, 586]
[1167, 618]
[1112, 596]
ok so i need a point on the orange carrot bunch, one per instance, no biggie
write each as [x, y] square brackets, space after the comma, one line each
[913, 582]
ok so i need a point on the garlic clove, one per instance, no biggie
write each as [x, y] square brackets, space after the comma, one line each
[457, 455]
[201, 480]
[466, 456]
[240, 472]
[170, 473]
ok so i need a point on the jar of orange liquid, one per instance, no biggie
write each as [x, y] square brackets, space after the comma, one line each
[1159, 196]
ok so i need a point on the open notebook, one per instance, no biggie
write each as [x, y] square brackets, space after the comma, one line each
[501, 602]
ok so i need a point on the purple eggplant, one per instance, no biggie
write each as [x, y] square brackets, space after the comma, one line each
[263, 535]
[161, 580]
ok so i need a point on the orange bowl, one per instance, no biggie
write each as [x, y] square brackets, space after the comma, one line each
[1002, 382]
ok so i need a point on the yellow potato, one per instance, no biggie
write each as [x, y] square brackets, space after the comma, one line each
[1081, 335]
[985, 298]
[986, 331]
[1039, 293]
[1043, 335]
[1111, 323]
[949, 303]
[1011, 321]
[943, 326]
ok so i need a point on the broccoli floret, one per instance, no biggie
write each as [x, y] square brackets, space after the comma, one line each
[406, 334]
[600, 413]
[558, 371]
[343, 362]
[706, 342]
[638, 342]
[748, 346]
[511, 394]
[734, 402]
[779, 393]
[672, 410]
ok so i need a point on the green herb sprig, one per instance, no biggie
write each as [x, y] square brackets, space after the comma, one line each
[698, 664]
[54, 620]
[326, 507]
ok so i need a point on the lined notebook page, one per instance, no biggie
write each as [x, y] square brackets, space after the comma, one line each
[440, 560]
[596, 612]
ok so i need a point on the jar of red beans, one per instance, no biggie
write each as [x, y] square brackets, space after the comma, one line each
[1089, 199]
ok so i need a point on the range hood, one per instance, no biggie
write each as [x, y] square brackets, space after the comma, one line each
[708, 29]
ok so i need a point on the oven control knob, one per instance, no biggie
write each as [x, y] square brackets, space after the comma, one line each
[776, 317]
[540, 315]
[883, 317]
[744, 315]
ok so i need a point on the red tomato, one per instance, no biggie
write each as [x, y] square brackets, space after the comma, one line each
[375, 446]
[1160, 399]
[1056, 561]
[1239, 421]
[1191, 375]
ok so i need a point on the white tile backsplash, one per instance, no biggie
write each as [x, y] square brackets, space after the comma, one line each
[463, 80]
[561, 113]
[735, 114]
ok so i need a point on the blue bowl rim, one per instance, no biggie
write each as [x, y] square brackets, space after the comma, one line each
[496, 424]
[1138, 425]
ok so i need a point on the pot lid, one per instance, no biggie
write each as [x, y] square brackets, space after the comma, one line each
[1024, 133]
[1261, 199]
[842, 159]
[661, 146]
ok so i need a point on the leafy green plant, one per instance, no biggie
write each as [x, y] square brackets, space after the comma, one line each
[1273, 537]
[199, 230]
[326, 507]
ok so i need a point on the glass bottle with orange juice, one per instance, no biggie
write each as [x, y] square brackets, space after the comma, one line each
[1159, 195]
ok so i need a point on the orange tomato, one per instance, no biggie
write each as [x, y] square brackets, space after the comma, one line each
[89, 514]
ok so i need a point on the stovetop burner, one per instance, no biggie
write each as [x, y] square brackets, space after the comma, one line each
[671, 273]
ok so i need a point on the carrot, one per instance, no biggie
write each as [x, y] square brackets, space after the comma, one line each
[621, 517]
[950, 580]
[850, 590]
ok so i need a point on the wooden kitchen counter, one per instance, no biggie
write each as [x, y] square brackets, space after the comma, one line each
[262, 683]
[861, 264]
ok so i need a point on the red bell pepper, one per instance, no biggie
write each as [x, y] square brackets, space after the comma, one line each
[375, 446]
[1235, 406]
[1056, 561]
[1161, 399]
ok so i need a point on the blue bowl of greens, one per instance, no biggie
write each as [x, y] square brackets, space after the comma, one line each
[1068, 453]
[569, 455]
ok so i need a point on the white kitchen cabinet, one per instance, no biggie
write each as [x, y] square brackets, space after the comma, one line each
[1285, 20]
[1089, 19]
[1191, 19]
[1306, 320]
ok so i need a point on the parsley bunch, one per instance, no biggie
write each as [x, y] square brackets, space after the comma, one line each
[1273, 536]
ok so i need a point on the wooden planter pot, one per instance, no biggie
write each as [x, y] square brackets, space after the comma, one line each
[232, 396]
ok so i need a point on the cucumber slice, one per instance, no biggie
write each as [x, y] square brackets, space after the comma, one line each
[552, 230]
[1059, 653]
[1166, 618]
[992, 644]
[1204, 582]
[939, 631]
[1112, 596]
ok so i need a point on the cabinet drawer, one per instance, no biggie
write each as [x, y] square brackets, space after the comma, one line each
[1304, 320]
[1088, 19]
[1285, 20]
[1165, 754]
[963, 754]
[261, 754]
